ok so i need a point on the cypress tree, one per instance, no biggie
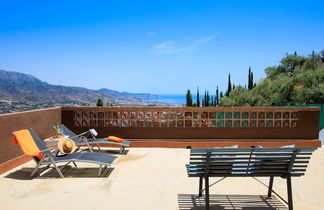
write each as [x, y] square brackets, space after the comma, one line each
[251, 80]
[313, 54]
[229, 86]
[198, 98]
[207, 98]
[221, 95]
[212, 101]
[188, 98]
[203, 101]
[217, 96]
[250, 84]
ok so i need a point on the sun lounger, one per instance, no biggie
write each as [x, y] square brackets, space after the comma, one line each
[33, 146]
[88, 138]
[249, 162]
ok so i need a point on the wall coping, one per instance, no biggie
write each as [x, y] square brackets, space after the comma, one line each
[145, 108]
[31, 111]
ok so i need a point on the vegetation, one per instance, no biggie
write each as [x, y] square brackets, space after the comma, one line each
[250, 79]
[99, 102]
[217, 97]
[188, 98]
[296, 80]
[198, 98]
[229, 88]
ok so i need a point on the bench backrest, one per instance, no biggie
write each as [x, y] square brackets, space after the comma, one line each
[221, 162]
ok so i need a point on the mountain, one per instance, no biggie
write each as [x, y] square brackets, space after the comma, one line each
[18, 89]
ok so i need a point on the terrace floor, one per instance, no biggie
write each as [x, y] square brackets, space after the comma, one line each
[151, 178]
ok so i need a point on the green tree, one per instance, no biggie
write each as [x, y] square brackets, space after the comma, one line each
[239, 97]
[322, 55]
[229, 85]
[290, 62]
[217, 97]
[198, 98]
[203, 101]
[188, 98]
[99, 102]
[250, 80]
[207, 99]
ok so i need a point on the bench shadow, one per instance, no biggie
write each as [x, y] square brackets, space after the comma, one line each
[231, 202]
[67, 171]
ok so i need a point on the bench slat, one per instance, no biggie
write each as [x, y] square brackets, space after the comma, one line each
[245, 175]
[249, 153]
[252, 162]
[249, 161]
[280, 149]
[247, 158]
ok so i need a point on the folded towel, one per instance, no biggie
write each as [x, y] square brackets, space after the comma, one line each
[26, 143]
[115, 139]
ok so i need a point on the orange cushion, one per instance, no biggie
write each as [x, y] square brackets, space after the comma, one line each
[115, 139]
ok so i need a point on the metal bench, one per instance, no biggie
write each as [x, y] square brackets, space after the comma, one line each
[249, 162]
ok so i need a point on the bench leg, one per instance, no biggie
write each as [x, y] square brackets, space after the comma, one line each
[200, 186]
[207, 192]
[270, 186]
[289, 192]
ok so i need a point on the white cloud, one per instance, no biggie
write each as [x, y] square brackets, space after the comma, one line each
[150, 34]
[170, 46]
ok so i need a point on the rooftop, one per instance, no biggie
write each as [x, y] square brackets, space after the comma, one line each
[151, 178]
[148, 177]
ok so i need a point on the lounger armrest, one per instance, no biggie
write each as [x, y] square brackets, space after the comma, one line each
[45, 150]
[79, 135]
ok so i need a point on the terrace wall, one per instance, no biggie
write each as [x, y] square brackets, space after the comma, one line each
[40, 120]
[268, 123]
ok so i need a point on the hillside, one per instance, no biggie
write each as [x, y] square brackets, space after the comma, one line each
[20, 91]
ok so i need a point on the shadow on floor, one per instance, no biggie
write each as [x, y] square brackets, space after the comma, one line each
[220, 202]
[109, 151]
[67, 171]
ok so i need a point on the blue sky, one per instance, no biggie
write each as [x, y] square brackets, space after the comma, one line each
[162, 47]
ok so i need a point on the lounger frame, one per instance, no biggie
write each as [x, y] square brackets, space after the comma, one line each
[88, 138]
[103, 160]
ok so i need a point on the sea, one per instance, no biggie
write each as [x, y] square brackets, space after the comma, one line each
[172, 99]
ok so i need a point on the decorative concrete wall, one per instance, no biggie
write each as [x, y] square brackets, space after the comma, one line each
[195, 123]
